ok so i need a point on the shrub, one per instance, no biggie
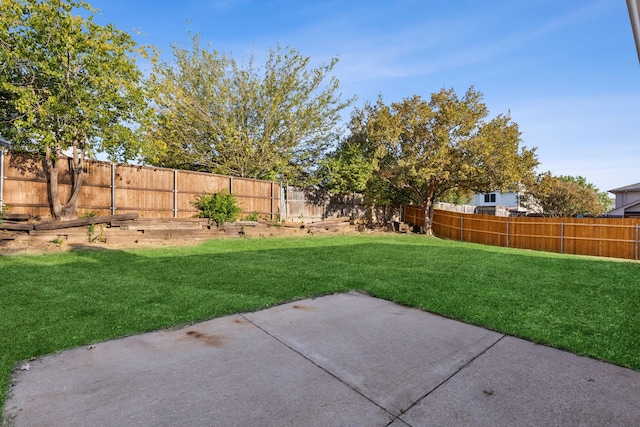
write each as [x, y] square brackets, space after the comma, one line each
[220, 207]
[255, 216]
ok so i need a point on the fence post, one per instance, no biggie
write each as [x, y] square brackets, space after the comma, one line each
[230, 185]
[175, 193]
[113, 188]
[285, 197]
[636, 254]
[1, 179]
[281, 207]
[462, 229]
[272, 199]
[507, 242]
[562, 237]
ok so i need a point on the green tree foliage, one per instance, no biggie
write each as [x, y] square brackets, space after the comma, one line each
[603, 197]
[457, 196]
[565, 196]
[266, 122]
[442, 147]
[67, 84]
[353, 167]
[220, 207]
[347, 170]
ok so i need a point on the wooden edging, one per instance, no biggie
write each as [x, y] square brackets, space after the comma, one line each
[85, 221]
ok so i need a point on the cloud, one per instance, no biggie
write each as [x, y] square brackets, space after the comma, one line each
[429, 46]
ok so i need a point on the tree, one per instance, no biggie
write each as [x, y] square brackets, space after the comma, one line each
[457, 196]
[444, 145]
[265, 122]
[68, 85]
[604, 201]
[353, 167]
[347, 170]
[565, 196]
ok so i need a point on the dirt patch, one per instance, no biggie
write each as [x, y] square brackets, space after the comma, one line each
[17, 247]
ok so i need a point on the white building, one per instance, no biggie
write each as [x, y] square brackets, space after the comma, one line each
[498, 204]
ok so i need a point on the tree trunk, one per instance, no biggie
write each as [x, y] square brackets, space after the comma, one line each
[76, 168]
[51, 165]
[374, 212]
[428, 215]
[426, 198]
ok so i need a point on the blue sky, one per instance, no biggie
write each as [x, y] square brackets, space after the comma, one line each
[567, 71]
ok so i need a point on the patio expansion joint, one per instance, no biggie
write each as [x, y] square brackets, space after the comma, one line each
[489, 347]
[393, 416]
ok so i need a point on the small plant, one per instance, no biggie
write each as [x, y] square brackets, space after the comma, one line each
[4, 210]
[91, 228]
[58, 241]
[89, 214]
[220, 207]
[253, 216]
[92, 236]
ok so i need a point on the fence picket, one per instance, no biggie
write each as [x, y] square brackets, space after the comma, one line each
[605, 237]
[121, 188]
[153, 192]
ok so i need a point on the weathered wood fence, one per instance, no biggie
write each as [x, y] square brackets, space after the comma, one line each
[110, 189]
[604, 237]
[312, 204]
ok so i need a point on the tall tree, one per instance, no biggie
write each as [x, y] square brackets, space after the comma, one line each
[565, 196]
[266, 122]
[354, 167]
[345, 172]
[350, 168]
[602, 196]
[445, 144]
[67, 85]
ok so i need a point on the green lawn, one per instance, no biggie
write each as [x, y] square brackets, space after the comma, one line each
[58, 301]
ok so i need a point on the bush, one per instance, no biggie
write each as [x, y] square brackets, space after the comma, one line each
[255, 216]
[220, 207]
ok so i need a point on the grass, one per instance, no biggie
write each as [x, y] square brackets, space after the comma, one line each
[57, 301]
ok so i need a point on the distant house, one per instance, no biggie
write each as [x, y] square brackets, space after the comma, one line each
[627, 201]
[498, 204]
[4, 143]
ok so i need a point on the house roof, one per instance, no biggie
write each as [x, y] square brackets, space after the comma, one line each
[4, 142]
[623, 209]
[632, 187]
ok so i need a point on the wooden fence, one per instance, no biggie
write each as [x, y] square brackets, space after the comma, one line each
[110, 188]
[604, 237]
[312, 204]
